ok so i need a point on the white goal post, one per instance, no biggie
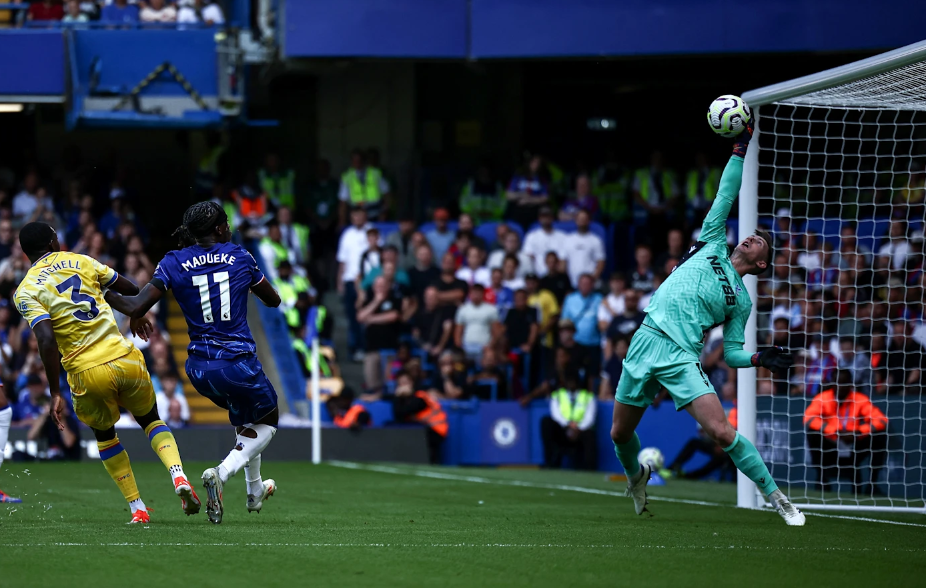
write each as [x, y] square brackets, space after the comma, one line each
[837, 171]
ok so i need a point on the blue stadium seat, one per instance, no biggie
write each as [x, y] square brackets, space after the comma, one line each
[570, 227]
[452, 225]
[386, 229]
[488, 231]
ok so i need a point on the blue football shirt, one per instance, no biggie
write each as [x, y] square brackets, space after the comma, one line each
[211, 285]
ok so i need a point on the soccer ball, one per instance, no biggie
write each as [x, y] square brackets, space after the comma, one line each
[651, 456]
[728, 115]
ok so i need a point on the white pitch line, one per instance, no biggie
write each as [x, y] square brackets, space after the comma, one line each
[473, 546]
[482, 480]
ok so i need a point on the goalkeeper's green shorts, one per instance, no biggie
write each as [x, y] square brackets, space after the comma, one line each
[655, 360]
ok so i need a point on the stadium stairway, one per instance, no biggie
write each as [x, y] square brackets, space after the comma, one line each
[202, 410]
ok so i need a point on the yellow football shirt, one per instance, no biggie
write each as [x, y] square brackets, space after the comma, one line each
[67, 289]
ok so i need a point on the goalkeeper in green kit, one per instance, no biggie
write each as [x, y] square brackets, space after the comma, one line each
[704, 290]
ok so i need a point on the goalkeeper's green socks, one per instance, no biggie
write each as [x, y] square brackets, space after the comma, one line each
[627, 454]
[747, 460]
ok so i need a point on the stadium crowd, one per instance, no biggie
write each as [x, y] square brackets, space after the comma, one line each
[93, 215]
[112, 12]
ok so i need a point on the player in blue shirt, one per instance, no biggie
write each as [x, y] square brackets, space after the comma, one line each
[211, 278]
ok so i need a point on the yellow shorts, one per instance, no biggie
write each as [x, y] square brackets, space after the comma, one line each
[98, 392]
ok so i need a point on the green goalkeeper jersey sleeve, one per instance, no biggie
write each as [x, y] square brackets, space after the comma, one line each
[704, 291]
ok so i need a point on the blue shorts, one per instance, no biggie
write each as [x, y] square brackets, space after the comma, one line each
[240, 388]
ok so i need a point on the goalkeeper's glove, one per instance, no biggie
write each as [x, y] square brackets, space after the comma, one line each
[774, 358]
[741, 141]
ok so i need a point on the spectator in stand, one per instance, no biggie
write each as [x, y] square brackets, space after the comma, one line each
[614, 355]
[700, 190]
[274, 251]
[843, 417]
[543, 239]
[584, 251]
[849, 246]
[7, 238]
[892, 255]
[277, 183]
[381, 317]
[73, 13]
[119, 212]
[363, 185]
[370, 259]
[556, 281]
[423, 273]
[432, 326]
[527, 191]
[520, 322]
[465, 225]
[440, 237]
[782, 231]
[581, 308]
[200, 11]
[168, 392]
[321, 206]
[570, 428]
[512, 246]
[547, 309]
[404, 242]
[511, 273]
[562, 362]
[655, 195]
[25, 203]
[583, 199]
[483, 198]
[390, 257]
[120, 11]
[413, 405]
[676, 249]
[460, 246]
[45, 10]
[488, 372]
[498, 294]
[450, 382]
[98, 250]
[294, 236]
[477, 324]
[642, 277]
[33, 398]
[351, 247]
[613, 304]
[451, 291]
[474, 272]
[158, 11]
[627, 323]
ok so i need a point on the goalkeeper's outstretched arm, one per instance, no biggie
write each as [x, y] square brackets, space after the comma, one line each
[714, 229]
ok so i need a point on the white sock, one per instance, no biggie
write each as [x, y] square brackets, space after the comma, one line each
[245, 449]
[176, 471]
[136, 504]
[252, 476]
[637, 476]
[6, 418]
[777, 496]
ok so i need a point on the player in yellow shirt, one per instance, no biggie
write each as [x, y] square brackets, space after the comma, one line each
[61, 297]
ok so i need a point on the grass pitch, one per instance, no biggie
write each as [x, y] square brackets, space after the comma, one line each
[351, 525]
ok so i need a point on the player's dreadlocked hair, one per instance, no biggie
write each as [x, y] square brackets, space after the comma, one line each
[199, 221]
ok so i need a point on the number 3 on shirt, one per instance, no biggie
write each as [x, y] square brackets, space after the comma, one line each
[202, 282]
[74, 284]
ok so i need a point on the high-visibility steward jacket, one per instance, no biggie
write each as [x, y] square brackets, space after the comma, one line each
[647, 193]
[302, 237]
[251, 207]
[280, 188]
[289, 291]
[856, 414]
[305, 356]
[573, 412]
[280, 252]
[346, 420]
[231, 211]
[208, 170]
[733, 417]
[433, 416]
[483, 207]
[700, 195]
[612, 197]
[366, 192]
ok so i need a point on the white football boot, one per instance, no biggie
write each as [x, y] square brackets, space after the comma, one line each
[255, 503]
[636, 488]
[213, 484]
[790, 513]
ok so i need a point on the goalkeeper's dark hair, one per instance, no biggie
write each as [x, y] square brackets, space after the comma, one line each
[199, 221]
[35, 237]
[767, 237]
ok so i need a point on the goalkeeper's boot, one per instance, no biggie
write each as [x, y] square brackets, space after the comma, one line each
[189, 501]
[255, 503]
[790, 513]
[140, 516]
[636, 488]
[213, 484]
[7, 499]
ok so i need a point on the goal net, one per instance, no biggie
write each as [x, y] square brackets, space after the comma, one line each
[838, 175]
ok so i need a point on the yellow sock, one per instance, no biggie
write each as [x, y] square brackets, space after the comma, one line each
[116, 461]
[164, 444]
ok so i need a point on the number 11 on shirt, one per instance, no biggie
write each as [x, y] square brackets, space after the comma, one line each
[202, 282]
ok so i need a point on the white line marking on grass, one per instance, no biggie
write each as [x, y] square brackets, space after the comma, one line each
[482, 480]
[474, 546]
